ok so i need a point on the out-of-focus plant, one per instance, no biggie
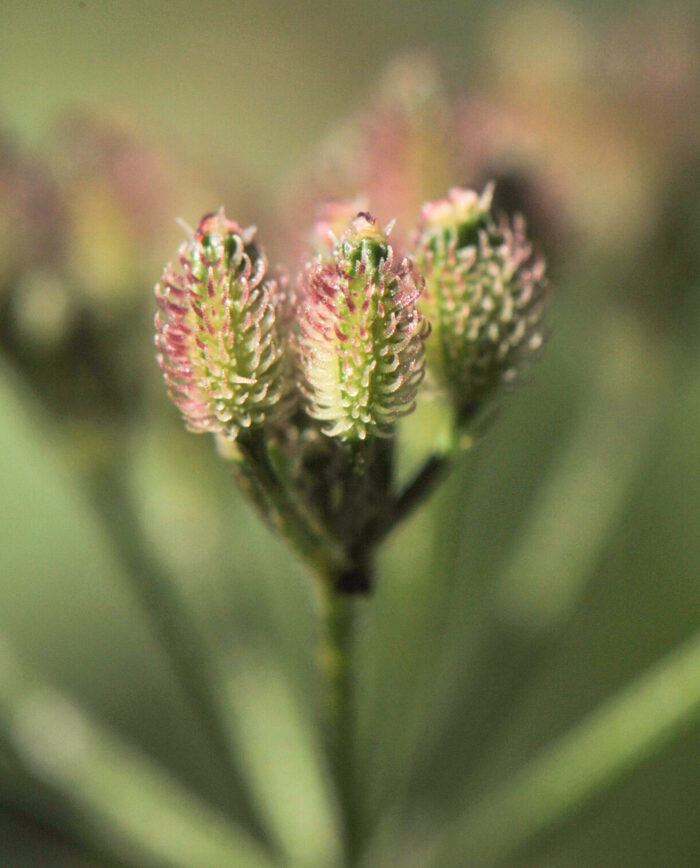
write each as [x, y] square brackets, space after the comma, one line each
[319, 374]
[308, 382]
[90, 223]
[483, 297]
[303, 386]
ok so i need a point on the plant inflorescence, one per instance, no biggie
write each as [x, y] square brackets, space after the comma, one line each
[303, 382]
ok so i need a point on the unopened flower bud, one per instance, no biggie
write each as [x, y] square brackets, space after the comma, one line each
[484, 296]
[217, 331]
[361, 334]
[332, 219]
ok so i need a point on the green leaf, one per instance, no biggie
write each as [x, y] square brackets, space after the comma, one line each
[120, 795]
[617, 737]
[283, 764]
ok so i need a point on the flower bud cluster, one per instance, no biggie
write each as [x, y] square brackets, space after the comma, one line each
[353, 343]
[361, 334]
[484, 297]
[220, 346]
[311, 383]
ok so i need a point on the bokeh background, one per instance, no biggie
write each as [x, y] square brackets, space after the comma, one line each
[529, 666]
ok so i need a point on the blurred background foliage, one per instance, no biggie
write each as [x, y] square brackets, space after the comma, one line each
[529, 666]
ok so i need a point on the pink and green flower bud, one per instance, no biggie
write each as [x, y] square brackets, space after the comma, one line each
[361, 334]
[332, 220]
[217, 331]
[484, 297]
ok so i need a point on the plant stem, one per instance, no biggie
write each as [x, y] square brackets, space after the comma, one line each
[258, 477]
[338, 616]
[435, 469]
[431, 473]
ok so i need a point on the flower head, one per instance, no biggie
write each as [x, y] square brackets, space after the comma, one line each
[484, 297]
[332, 219]
[221, 350]
[360, 333]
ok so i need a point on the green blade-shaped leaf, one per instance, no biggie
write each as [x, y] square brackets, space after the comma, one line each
[620, 735]
[120, 795]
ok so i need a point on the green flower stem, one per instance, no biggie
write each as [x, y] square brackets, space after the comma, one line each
[191, 660]
[338, 618]
[435, 469]
[317, 527]
[426, 480]
[258, 477]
